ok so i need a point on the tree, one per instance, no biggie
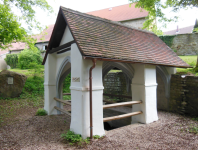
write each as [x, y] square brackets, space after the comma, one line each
[155, 9]
[196, 26]
[10, 27]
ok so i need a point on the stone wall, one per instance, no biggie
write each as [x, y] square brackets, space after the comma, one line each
[184, 95]
[185, 44]
[137, 23]
[115, 83]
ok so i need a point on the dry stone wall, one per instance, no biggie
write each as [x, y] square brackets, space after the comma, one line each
[184, 95]
[185, 44]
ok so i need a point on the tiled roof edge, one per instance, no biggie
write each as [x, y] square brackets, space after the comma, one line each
[106, 20]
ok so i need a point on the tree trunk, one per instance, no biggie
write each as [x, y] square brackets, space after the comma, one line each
[197, 61]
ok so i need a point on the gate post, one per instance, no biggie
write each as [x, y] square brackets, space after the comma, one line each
[80, 110]
[144, 88]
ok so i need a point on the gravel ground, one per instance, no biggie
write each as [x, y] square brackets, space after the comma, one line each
[34, 132]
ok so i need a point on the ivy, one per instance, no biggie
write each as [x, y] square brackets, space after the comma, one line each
[12, 60]
[167, 39]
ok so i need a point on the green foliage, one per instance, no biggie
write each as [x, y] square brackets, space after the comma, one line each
[167, 39]
[66, 84]
[41, 112]
[34, 85]
[196, 26]
[74, 138]
[12, 60]
[193, 129]
[10, 27]
[29, 59]
[156, 7]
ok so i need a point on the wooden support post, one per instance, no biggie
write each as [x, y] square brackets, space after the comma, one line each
[121, 104]
[122, 116]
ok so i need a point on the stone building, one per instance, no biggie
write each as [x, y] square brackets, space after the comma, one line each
[125, 14]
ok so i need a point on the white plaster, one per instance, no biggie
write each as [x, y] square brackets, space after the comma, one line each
[50, 84]
[144, 88]
[67, 36]
[80, 112]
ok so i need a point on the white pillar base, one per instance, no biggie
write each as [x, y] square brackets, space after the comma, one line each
[80, 113]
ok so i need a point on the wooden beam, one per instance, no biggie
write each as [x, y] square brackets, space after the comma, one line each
[61, 47]
[63, 111]
[64, 50]
[121, 104]
[62, 101]
[66, 93]
[121, 116]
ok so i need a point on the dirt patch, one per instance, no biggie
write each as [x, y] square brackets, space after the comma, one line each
[43, 132]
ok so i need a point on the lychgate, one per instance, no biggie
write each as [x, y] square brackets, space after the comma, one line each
[88, 47]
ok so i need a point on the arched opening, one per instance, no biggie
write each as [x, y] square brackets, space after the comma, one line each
[63, 83]
[117, 79]
[163, 88]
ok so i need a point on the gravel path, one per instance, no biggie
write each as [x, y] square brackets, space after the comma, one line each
[169, 132]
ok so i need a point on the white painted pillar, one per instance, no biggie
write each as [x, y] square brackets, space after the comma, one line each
[50, 84]
[80, 110]
[144, 88]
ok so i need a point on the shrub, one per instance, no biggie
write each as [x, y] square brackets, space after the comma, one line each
[34, 85]
[12, 60]
[72, 137]
[66, 84]
[41, 112]
[28, 59]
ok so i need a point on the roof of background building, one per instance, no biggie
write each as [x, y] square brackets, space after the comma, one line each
[45, 34]
[43, 37]
[184, 30]
[120, 13]
[2, 52]
[101, 38]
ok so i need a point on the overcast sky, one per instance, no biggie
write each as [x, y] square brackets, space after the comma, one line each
[187, 17]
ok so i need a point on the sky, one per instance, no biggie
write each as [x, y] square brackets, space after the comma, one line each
[187, 17]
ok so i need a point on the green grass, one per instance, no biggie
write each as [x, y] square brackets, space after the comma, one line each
[191, 60]
[28, 72]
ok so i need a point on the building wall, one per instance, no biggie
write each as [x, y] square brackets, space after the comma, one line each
[185, 44]
[137, 23]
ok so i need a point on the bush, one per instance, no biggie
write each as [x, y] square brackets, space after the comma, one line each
[12, 60]
[29, 59]
[34, 85]
[72, 137]
[66, 84]
[41, 112]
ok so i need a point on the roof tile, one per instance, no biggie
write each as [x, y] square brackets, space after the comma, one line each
[99, 37]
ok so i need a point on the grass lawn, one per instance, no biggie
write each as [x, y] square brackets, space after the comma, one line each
[191, 60]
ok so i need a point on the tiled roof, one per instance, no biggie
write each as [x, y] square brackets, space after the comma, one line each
[45, 35]
[184, 30]
[17, 46]
[101, 38]
[120, 13]
[3, 52]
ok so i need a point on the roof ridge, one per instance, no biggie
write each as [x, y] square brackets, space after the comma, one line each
[106, 20]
